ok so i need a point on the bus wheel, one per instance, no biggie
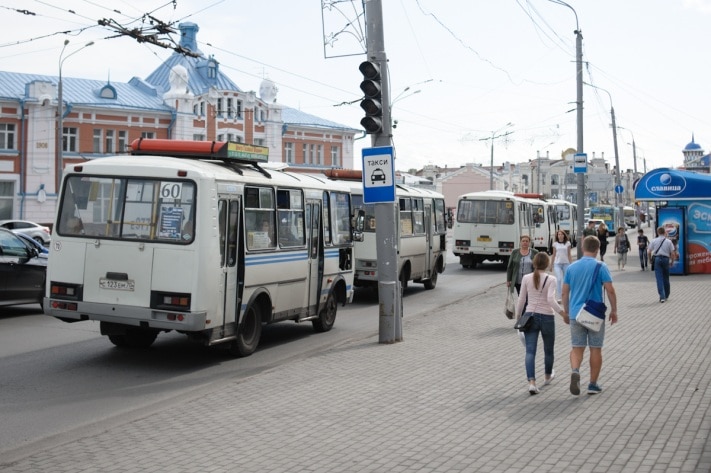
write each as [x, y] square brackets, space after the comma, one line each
[403, 280]
[248, 333]
[431, 283]
[327, 316]
[134, 338]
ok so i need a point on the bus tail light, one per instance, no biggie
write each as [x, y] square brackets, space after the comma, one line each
[506, 245]
[462, 243]
[73, 292]
[170, 301]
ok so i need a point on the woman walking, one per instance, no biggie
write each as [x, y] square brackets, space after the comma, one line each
[560, 260]
[622, 246]
[602, 235]
[539, 288]
[520, 263]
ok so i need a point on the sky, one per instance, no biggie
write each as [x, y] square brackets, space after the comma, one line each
[464, 74]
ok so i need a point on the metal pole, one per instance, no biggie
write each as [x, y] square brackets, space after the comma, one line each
[579, 102]
[389, 287]
[618, 196]
[60, 112]
[491, 168]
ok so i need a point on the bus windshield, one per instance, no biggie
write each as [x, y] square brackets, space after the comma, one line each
[486, 211]
[127, 208]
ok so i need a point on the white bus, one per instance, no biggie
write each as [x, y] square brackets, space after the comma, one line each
[421, 234]
[490, 224]
[567, 215]
[213, 247]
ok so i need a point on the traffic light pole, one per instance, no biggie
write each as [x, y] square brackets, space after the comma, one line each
[389, 289]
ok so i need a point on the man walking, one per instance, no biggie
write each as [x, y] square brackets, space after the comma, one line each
[662, 250]
[578, 286]
[590, 229]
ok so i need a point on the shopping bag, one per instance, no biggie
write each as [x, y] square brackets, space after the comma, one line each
[510, 306]
[592, 315]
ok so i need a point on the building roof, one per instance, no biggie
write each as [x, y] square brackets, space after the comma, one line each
[692, 146]
[292, 116]
[136, 94]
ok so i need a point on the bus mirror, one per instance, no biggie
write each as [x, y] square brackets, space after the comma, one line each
[359, 225]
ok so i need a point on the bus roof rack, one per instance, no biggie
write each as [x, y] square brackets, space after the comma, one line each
[229, 152]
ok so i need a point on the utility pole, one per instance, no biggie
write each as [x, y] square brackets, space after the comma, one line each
[579, 101]
[389, 287]
[495, 135]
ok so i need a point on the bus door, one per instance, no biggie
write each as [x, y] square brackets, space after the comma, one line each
[429, 234]
[229, 214]
[315, 254]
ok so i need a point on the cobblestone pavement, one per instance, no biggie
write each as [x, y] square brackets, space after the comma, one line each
[452, 397]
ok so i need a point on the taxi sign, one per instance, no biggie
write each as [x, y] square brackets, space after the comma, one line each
[378, 175]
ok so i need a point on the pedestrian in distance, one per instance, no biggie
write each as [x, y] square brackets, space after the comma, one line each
[578, 286]
[538, 288]
[663, 252]
[602, 235]
[642, 244]
[590, 229]
[560, 260]
[622, 247]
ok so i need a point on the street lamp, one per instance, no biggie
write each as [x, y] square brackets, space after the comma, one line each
[60, 111]
[494, 135]
[618, 179]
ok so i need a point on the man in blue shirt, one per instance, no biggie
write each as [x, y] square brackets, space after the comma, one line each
[577, 285]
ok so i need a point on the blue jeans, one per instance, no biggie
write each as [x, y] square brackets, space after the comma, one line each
[661, 273]
[643, 258]
[559, 272]
[545, 325]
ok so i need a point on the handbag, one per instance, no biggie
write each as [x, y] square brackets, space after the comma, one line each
[592, 313]
[524, 322]
[510, 306]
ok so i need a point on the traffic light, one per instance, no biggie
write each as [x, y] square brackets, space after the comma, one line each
[371, 104]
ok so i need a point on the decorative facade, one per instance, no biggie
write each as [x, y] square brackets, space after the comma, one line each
[187, 98]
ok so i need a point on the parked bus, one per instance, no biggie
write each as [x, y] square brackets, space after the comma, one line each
[490, 224]
[198, 237]
[630, 216]
[421, 233]
[567, 216]
[606, 213]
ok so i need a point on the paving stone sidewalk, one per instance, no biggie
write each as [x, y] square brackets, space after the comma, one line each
[452, 397]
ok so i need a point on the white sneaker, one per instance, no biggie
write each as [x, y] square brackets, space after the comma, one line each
[549, 380]
[532, 389]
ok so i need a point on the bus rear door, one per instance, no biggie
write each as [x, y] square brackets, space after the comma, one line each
[315, 256]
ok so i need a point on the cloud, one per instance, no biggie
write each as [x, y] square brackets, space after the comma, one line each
[703, 6]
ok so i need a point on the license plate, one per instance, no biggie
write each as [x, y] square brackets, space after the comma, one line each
[127, 285]
[483, 239]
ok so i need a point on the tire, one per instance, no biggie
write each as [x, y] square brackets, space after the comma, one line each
[431, 283]
[327, 316]
[134, 338]
[403, 281]
[39, 240]
[248, 333]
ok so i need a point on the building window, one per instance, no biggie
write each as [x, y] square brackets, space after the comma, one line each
[305, 152]
[202, 109]
[147, 134]
[238, 139]
[109, 141]
[230, 112]
[555, 179]
[7, 136]
[220, 111]
[211, 70]
[319, 154]
[7, 194]
[195, 109]
[335, 156]
[122, 142]
[70, 138]
[289, 152]
[259, 141]
[220, 137]
[239, 109]
[198, 137]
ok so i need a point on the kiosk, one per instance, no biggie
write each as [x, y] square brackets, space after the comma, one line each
[683, 203]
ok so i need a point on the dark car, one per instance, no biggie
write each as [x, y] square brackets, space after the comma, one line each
[22, 274]
[32, 243]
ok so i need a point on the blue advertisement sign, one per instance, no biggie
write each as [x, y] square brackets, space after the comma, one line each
[672, 184]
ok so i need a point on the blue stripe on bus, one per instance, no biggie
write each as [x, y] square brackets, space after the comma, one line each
[275, 258]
